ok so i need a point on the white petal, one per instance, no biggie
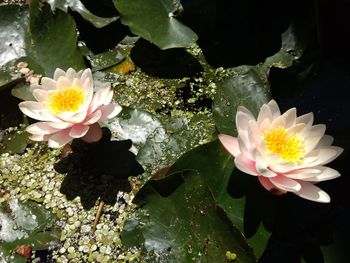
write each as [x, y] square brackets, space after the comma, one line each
[78, 130]
[243, 117]
[244, 147]
[285, 183]
[36, 111]
[93, 117]
[282, 166]
[313, 193]
[230, 143]
[262, 166]
[265, 113]
[245, 165]
[305, 173]
[48, 84]
[60, 125]
[41, 128]
[77, 83]
[58, 73]
[299, 128]
[71, 74]
[72, 117]
[109, 111]
[326, 140]
[323, 155]
[40, 138]
[274, 109]
[40, 95]
[63, 82]
[326, 174]
[290, 117]
[278, 122]
[307, 119]
[101, 96]
[86, 74]
[59, 139]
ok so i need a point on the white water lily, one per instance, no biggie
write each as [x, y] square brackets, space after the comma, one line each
[287, 153]
[68, 108]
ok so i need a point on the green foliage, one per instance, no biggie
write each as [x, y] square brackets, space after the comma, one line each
[179, 222]
[79, 7]
[25, 224]
[155, 20]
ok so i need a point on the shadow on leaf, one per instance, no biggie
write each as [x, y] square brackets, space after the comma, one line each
[98, 170]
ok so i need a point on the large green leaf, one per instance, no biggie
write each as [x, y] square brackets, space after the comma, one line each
[79, 7]
[160, 141]
[216, 164]
[25, 223]
[242, 87]
[53, 39]
[179, 222]
[155, 21]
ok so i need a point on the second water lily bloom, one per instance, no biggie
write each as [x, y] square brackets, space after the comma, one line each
[285, 152]
[67, 108]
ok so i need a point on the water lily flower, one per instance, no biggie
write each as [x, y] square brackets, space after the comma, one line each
[287, 153]
[67, 107]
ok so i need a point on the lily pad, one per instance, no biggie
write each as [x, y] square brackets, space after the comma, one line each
[183, 224]
[79, 7]
[243, 87]
[155, 20]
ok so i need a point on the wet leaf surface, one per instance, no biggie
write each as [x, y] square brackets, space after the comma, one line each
[178, 221]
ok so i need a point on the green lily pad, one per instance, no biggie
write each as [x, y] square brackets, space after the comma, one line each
[155, 20]
[79, 7]
[160, 141]
[179, 222]
[25, 224]
[243, 87]
[55, 44]
[213, 162]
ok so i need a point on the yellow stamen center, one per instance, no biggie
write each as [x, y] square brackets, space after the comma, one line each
[289, 147]
[66, 99]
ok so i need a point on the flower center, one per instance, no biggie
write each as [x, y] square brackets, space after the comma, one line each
[66, 99]
[289, 147]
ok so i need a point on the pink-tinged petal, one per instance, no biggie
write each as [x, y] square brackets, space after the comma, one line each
[72, 117]
[244, 147]
[41, 128]
[323, 155]
[230, 143]
[313, 193]
[262, 166]
[40, 138]
[36, 110]
[326, 174]
[275, 110]
[58, 73]
[326, 140]
[59, 139]
[63, 82]
[242, 120]
[93, 117]
[71, 74]
[109, 111]
[290, 117]
[245, 165]
[48, 84]
[285, 183]
[78, 130]
[307, 119]
[100, 98]
[60, 125]
[265, 113]
[94, 134]
[86, 74]
[265, 182]
[40, 95]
